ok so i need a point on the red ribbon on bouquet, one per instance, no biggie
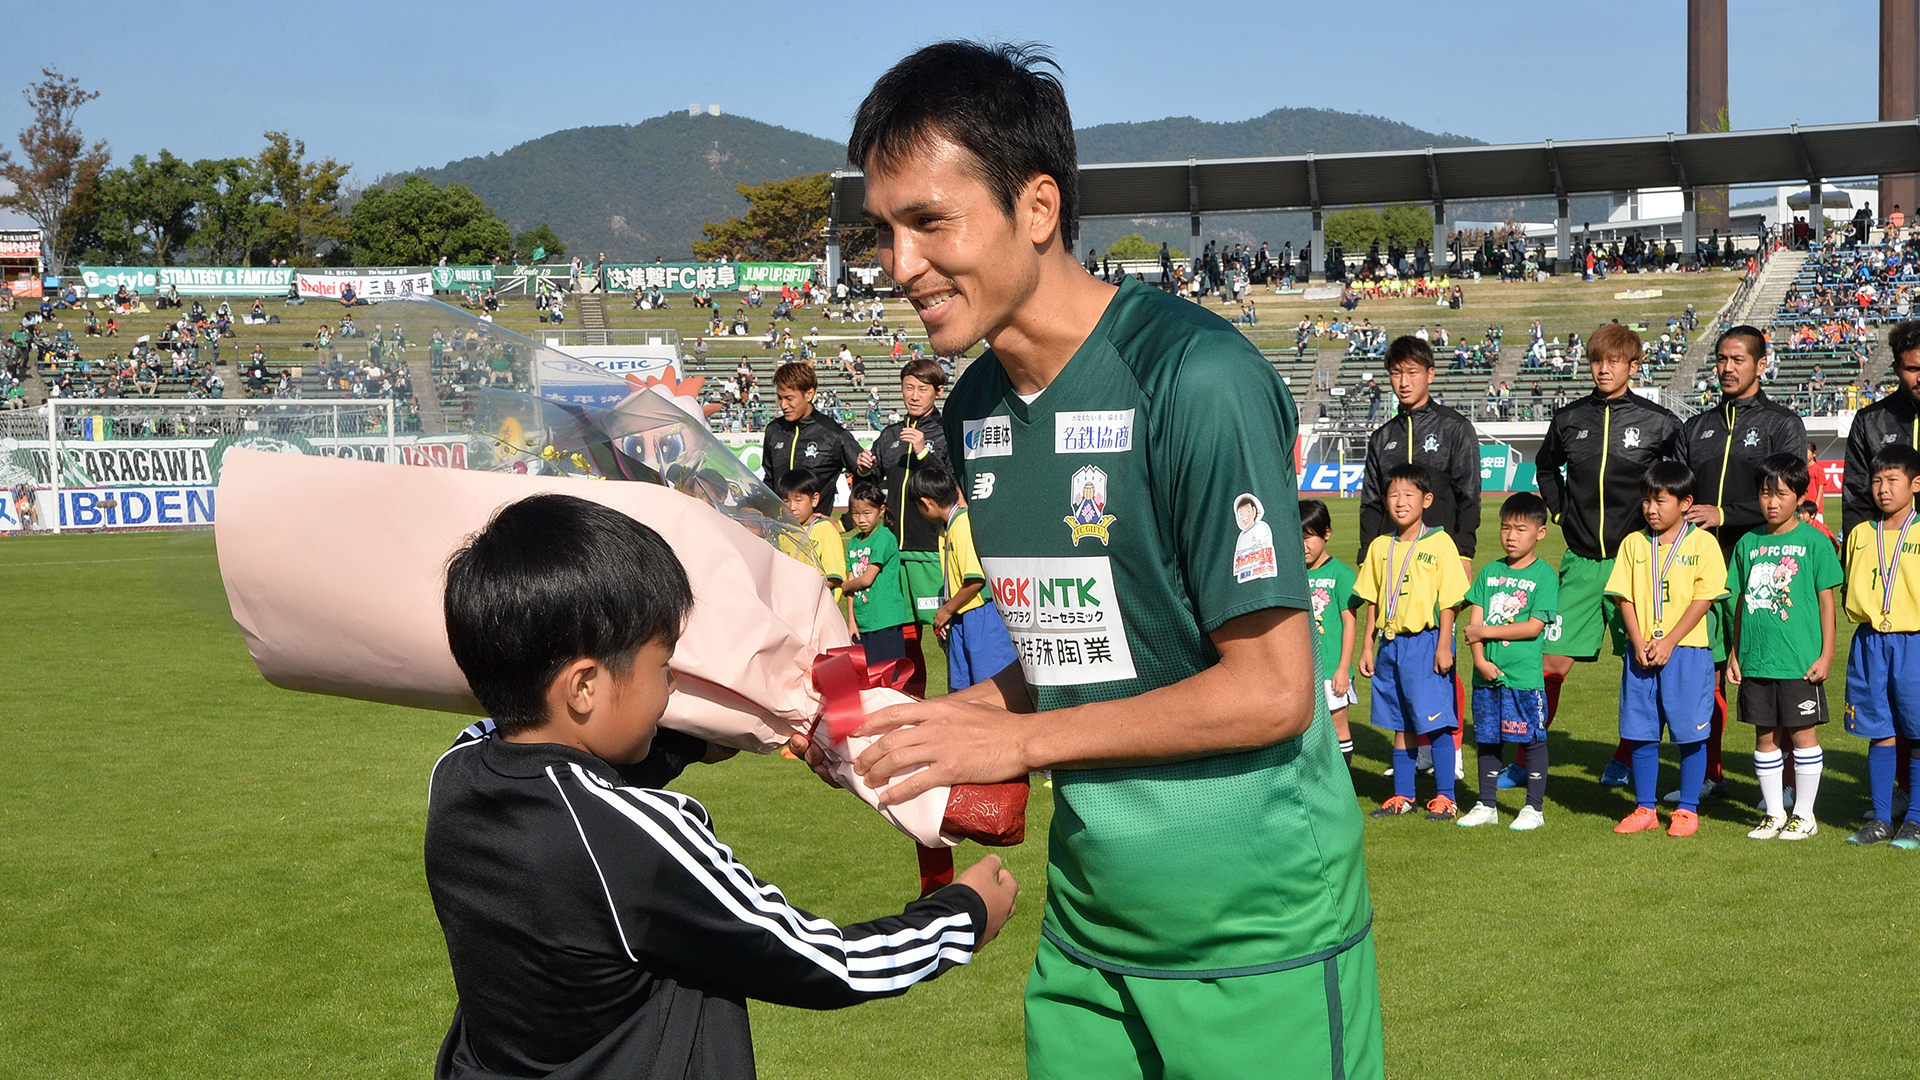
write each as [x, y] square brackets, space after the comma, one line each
[991, 814]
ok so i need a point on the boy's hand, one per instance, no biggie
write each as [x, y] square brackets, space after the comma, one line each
[1443, 657]
[1342, 682]
[1489, 670]
[1820, 669]
[940, 620]
[1476, 633]
[1733, 671]
[1659, 652]
[1366, 662]
[865, 461]
[995, 884]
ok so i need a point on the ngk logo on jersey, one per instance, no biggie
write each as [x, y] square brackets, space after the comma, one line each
[1064, 619]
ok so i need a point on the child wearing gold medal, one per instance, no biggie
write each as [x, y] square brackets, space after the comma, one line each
[1664, 580]
[1412, 583]
[1883, 596]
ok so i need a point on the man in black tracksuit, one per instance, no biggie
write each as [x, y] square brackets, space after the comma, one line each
[1596, 453]
[901, 448]
[1724, 446]
[1893, 419]
[804, 439]
[1427, 433]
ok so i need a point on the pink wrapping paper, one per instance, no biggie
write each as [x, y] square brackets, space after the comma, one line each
[334, 570]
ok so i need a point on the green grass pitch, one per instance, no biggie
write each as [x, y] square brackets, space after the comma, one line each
[201, 875]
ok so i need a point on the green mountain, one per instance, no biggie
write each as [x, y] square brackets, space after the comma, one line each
[640, 190]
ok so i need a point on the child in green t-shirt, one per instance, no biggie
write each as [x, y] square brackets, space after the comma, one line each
[1509, 606]
[874, 580]
[1330, 585]
[1780, 647]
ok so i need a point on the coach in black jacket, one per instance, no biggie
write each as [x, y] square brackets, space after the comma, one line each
[1605, 444]
[804, 439]
[917, 441]
[1893, 419]
[1725, 444]
[1427, 433]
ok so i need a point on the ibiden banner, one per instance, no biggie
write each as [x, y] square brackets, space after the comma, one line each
[226, 280]
[369, 283]
[108, 280]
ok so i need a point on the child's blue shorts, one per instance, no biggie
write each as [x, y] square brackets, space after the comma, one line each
[1408, 695]
[1679, 695]
[978, 647]
[1883, 685]
[1505, 714]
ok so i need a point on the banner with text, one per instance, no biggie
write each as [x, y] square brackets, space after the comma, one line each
[690, 277]
[461, 278]
[196, 462]
[107, 280]
[19, 243]
[770, 276]
[369, 283]
[226, 280]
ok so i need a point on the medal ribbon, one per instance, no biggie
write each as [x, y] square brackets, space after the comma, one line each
[1393, 597]
[1660, 582]
[1889, 571]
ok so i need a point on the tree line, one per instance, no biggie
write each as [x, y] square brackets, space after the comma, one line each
[276, 207]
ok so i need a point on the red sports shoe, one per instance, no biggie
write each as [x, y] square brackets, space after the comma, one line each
[1394, 807]
[1685, 823]
[1441, 808]
[1642, 819]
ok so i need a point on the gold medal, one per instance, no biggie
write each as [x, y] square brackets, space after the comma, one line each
[1658, 634]
[1886, 626]
[1387, 633]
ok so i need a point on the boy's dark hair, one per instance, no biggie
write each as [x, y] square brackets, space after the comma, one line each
[1314, 519]
[926, 371]
[1413, 473]
[553, 578]
[1809, 507]
[1525, 506]
[1668, 477]
[1896, 456]
[993, 101]
[1755, 338]
[867, 491]
[1788, 471]
[798, 482]
[1407, 347]
[932, 481]
[1902, 339]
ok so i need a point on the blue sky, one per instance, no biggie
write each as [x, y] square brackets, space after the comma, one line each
[408, 84]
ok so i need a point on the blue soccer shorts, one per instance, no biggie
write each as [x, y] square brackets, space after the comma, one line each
[1408, 695]
[1883, 685]
[978, 647]
[1678, 696]
[1505, 714]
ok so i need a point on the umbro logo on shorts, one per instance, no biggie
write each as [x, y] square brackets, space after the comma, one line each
[1807, 707]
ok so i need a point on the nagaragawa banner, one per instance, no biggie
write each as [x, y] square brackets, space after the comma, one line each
[226, 280]
[107, 280]
[461, 278]
[369, 283]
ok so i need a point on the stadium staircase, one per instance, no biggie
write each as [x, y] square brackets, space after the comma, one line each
[1508, 369]
[1758, 303]
[593, 317]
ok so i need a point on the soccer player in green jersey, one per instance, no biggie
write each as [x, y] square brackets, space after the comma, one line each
[1129, 461]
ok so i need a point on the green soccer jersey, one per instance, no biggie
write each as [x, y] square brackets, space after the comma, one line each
[1777, 581]
[883, 603]
[1330, 587]
[1122, 515]
[1505, 596]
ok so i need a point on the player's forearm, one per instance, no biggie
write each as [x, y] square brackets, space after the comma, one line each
[1260, 693]
[1524, 630]
[1631, 621]
[1690, 618]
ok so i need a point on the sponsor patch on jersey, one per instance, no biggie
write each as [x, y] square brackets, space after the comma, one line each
[1109, 432]
[1087, 497]
[1063, 617]
[990, 436]
[1253, 554]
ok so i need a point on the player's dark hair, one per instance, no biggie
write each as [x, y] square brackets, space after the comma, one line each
[994, 101]
[926, 371]
[1525, 506]
[932, 481]
[1406, 347]
[867, 491]
[1413, 473]
[1669, 478]
[1903, 339]
[799, 482]
[553, 578]
[1896, 456]
[1787, 471]
[1755, 338]
[1314, 519]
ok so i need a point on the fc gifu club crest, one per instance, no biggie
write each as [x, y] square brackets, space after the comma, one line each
[1089, 501]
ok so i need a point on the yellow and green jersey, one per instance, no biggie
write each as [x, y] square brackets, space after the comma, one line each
[1871, 562]
[1411, 583]
[959, 561]
[1661, 592]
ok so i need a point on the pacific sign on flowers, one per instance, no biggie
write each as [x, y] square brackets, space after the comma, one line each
[107, 280]
[226, 280]
[369, 283]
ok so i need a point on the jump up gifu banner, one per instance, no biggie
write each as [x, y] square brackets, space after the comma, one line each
[370, 283]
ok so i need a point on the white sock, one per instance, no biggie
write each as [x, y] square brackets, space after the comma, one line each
[1807, 765]
[1767, 765]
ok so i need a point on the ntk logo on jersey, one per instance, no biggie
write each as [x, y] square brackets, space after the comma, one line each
[1063, 618]
[1089, 502]
[989, 437]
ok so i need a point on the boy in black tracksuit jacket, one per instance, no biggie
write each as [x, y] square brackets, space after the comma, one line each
[1893, 419]
[1427, 433]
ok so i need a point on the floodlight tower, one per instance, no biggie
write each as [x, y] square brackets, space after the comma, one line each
[1899, 91]
[1705, 208]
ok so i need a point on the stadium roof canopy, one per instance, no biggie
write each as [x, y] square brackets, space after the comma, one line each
[1470, 173]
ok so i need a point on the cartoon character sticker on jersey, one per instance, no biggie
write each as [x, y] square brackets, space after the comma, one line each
[1503, 607]
[1770, 587]
[1088, 499]
[1253, 555]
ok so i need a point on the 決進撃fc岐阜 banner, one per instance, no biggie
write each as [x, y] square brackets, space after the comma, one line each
[691, 277]
[369, 283]
[225, 280]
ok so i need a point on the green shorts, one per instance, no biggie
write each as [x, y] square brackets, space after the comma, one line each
[925, 583]
[1321, 1019]
[1586, 617]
